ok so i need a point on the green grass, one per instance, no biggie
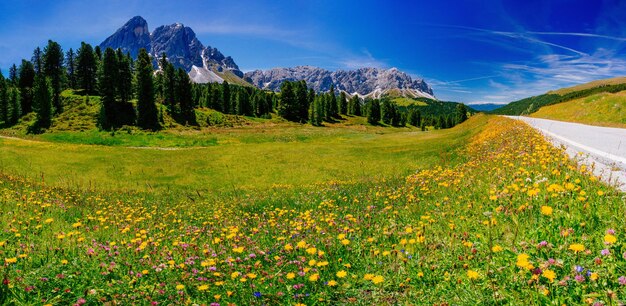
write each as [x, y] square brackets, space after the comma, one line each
[403, 101]
[236, 159]
[502, 219]
[603, 109]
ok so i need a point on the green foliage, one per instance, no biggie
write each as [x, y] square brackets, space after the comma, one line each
[147, 114]
[53, 59]
[107, 86]
[26, 82]
[70, 66]
[460, 113]
[42, 103]
[86, 69]
[4, 101]
[373, 111]
[186, 113]
[294, 101]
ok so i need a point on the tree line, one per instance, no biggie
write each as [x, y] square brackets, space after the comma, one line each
[133, 93]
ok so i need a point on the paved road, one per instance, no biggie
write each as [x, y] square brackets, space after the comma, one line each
[604, 147]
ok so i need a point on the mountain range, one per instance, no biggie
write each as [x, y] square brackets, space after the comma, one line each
[207, 64]
[368, 82]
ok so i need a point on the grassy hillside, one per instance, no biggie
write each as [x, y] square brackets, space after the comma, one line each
[603, 109]
[532, 104]
[428, 106]
[510, 220]
[594, 84]
[236, 159]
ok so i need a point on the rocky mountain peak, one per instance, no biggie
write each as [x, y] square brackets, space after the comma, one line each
[131, 37]
[179, 43]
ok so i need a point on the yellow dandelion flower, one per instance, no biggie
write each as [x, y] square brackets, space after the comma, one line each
[471, 274]
[549, 274]
[378, 279]
[291, 275]
[180, 287]
[203, 287]
[576, 247]
[610, 239]
[368, 276]
[546, 210]
[314, 277]
[332, 283]
[342, 274]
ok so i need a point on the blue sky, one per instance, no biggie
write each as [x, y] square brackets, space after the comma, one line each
[469, 51]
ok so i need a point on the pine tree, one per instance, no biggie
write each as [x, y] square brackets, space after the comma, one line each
[37, 61]
[302, 104]
[226, 105]
[183, 85]
[53, 69]
[42, 96]
[147, 114]
[124, 77]
[70, 65]
[14, 98]
[333, 109]
[386, 111]
[414, 118]
[86, 69]
[27, 80]
[287, 107]
[107, 85]
[13, 75]
[373, 112]
[169, 84]
[315, 111]
[460, 113]
[4, 100]
[343, 103]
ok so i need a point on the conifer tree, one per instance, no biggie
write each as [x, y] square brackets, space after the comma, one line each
[373, 112]
[42, 102]
[332, 106]
[460, 113]
[13, 75]
[287, 106]
[4, 100]
[386, 111]
[26, 82]
[37, 61]
[107, 85]
[70, 65]
[302, 101]
[343, 103]
[86, 69]
[53, 69]
[14, 101]
[183, 85]
[147, 113]
[226, 105]
[124, 77]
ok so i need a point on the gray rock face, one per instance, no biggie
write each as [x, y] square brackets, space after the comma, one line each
[371, 82]
[179, 43]
[131, 37]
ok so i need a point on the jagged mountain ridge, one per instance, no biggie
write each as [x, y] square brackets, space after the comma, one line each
[180, 44]
[366, 82]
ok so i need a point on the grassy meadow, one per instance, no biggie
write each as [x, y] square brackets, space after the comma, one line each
[487, 213]
[230, 159]
[603, 109]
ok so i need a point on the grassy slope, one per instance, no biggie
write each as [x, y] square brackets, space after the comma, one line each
[532, 104]
[593, 84]
[604, 109]
[241, 159]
